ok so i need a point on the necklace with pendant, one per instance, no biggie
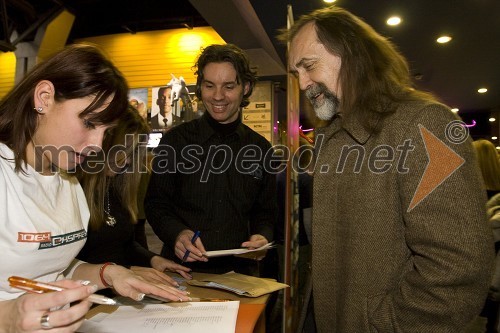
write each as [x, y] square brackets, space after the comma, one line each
[110, 220]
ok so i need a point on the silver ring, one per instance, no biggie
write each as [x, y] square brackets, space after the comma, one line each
[44, 321]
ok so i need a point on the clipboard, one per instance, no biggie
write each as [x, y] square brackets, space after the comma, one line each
[240, 284]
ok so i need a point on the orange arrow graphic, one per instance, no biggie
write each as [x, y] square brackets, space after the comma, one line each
[443, 162]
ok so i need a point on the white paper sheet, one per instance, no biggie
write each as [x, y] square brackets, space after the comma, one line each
[189, 317]
[221, 253]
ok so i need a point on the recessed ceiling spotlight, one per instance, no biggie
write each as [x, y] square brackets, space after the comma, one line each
[494, 138]
[498, 148]
[492, 119]
[454, 110]
[482, 90]
[443, 39]
[393, 20]
[329, 1]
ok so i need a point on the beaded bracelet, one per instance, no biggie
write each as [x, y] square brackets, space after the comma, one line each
[101, 273]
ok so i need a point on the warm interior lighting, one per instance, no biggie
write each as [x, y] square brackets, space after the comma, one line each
[482, 90]
[454, 110]
[7, 72]
[494, 138]
[492, 119]
[443, 39]
[329, 1]
[190, 42]
[393, 20]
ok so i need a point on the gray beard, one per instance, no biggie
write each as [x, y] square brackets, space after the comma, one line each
[326, 109]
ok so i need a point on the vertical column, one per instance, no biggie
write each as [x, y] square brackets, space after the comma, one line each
[50, 37]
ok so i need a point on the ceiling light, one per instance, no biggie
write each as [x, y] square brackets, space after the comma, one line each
[393, 20]
[443, 39]
[329, 1]
[482, 90]
[498, 148]
[454, 110]
[494, 138]
[492, 119]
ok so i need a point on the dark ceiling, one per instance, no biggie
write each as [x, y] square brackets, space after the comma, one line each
[453, 71]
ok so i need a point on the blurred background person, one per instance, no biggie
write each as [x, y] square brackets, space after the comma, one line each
[487, 157]
[489, 164]
[111, 189]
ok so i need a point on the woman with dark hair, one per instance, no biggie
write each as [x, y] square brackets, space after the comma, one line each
[56, 116]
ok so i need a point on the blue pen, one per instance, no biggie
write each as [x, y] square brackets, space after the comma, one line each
[195, 237]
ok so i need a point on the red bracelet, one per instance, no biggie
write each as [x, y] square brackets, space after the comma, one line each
[101, 273]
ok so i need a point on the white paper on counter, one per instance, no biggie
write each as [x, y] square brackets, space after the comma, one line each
[188, 317]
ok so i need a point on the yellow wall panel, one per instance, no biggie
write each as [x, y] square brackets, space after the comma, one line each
[146, 59]
[7, 72]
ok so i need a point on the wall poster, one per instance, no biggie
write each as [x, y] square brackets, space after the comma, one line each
[258, 114]
[138, 98]
[170, 108]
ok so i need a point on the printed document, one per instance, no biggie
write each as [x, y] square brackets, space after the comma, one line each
[188, 317]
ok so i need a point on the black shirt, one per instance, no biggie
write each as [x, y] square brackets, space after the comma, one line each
[202, 181]
[116, 244]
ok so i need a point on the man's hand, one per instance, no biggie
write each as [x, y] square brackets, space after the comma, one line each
[254, 242]
[183, 244]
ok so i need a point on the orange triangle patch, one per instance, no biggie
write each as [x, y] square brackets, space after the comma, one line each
[443, 162]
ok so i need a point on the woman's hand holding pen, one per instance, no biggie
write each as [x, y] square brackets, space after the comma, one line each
[185, 243]
[29, 312]
[129, 284]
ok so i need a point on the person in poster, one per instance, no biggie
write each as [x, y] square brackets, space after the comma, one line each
[164, 118]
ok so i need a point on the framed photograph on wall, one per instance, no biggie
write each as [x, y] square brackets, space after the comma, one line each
[168, 111]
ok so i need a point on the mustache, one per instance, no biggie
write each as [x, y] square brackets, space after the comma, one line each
[318, 89]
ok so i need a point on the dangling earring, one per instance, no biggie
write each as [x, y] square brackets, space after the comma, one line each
[38, 109]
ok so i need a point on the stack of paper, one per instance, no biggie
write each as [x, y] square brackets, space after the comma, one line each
[189, 317]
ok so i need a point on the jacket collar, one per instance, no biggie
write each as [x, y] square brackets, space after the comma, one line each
[348, 124]
[356, 130]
